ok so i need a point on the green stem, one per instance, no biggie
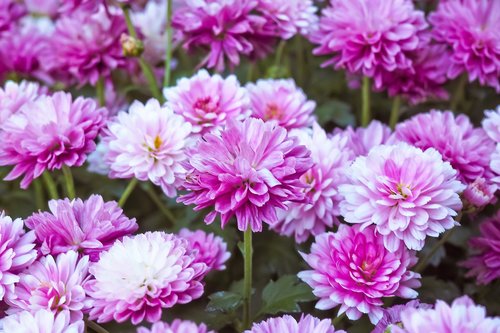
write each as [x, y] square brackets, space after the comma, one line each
[168, 51]
[156, 199]
[68, 180]
[396, 105]
[39, 200]
[279, 53]
[95, 327]
[247, 279]
[458, 95]
[300, 61]
[128, 190]
[99, 89]
[365, 99]
[425, 260]
[51, 185]
[337, 320]
[130, 26]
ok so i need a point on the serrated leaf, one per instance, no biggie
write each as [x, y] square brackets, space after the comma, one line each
[224, 301]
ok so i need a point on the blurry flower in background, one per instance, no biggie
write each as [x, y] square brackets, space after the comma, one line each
[14, 95]
[177, 326]
[392, 315]
[288, 324]
[362, 139]
[41, 321]
[10, 12]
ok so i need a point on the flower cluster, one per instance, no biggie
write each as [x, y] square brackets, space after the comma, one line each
[288, 324]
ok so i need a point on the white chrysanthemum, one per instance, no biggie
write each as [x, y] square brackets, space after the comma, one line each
[14, 95]
[41, 321]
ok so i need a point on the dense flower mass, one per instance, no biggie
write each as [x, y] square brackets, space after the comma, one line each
[140, 276]
[461, 316]
[207, 102]
[405, 192]
[148, 143]
[87, 227]
[288, 324]
[49, 133]
[41, 321]
[392, 315]
[353, 269]
[177, 326]
[470, 29]
[281, 101]
[362, 139]
[14, 95]
[10, 12]
[249, 170]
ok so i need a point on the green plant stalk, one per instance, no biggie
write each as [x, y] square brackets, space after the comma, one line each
[99, 90]
[50, 185]
[247, 279]
[39, 198]
[161, 205]
[279, 53]
[95, 327]
[128, 190]
[458, 95]
[337, 320]
[396, 105]
[300, 60]
[69, 182]
[422, 264]
[169, 48]
[365, 100]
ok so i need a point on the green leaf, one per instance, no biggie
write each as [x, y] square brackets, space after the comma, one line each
[224, 301]
[433, 288]
[336, 111]
[284, 294]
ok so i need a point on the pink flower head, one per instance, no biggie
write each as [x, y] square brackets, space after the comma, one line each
[405, 192]
[330, 157]
[141, 275]
[362, 139]
[479, 193]
[288, 324]
[370, 36]
[44, 7]
[49, 133]
[491, 124]
[14, 95]
[177, 326]
[495, 164]
[392, 315]
[41, 321]
[250, 169]
[212, 250]
[10, 12]
[468, 149]
[87, 227]
[352, 268]
[82, 5]
[53, 284]
[16, 252]
[470, 29]
[484, 265]
[281, 101]
[207, 102]
[148, 143]
[462, 316]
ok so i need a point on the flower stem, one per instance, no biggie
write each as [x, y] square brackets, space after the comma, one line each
[299, 46]
[128, 190]
[51, 185]
[365, 98]
[425, 260]
[247, 280]
[161, 205]
[337, 320]
[39, 200]
[279, 53]
[168, 51]
[396, 105]
[95, 327]
[68, 180]
[99, 89]
[458, 95]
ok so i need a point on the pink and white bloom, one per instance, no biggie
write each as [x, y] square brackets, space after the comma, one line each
[353, 269]
[281, 101]
[14, 95]
[392, 315]
[41, 321]
[177, 326]
[288, 324]
[362, 139]
[491, 124]
[406, 193]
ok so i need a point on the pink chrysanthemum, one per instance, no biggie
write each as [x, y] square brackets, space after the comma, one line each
[288, 324]
[468, 149]
[16, 252]
[41, 321]
[392, 315]
[212, 250]
[148, 143]
[177, 326]
[249, 170]
[43, 7]
[54, 285]
[362, 139]
[405, 192]
[10, 12]
[495, 164]
[470, 29]
[140, 276]
[352, 268]
[370, 36]
[479, 193]
[484, 265]
[281, 101]
[491, 124]
[207, 102]
[87, 227]
[83, 5]
[330, 157]
[462, 316]
[14, 95]
[49, 133]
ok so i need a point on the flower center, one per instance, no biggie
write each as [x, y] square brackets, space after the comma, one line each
[272, 112]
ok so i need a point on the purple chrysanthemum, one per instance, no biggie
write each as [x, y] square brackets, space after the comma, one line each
[41, 321]
[470, 29]
[140, 276]
[407, 193]
[352, 268]
[249, 170]
[392, 315]
[207, 102]
[288, 324]
[330, 157]
[14, 95]
[281, 101]
[177, 326]
[87, 227]
[362, 139]
[10, 12]
[49, 133]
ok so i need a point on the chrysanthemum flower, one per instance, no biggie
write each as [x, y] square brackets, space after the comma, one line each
[330, 157]
[288, 324]
[491, 124]
[495, 164]
[392, 315]
[97, 160]
[49, 133]
[405, 192]
[87, 227]
[43, 7]
[470, 29]
[177, 326]
[281, 101]
[10, 12]
[53, 284]
[140, 276]
[462, 316]
[479, 193]
[484, 264]
[41, 321]
[207, 102]
[148, 143]
[352, 268]
[362, 139]
[14, 95]
[369, 37]
[249, 170]
[212, 250]
[16, 252]
[83, 5]
[468, 149]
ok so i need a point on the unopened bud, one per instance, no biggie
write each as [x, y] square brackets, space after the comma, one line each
[131, 46]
